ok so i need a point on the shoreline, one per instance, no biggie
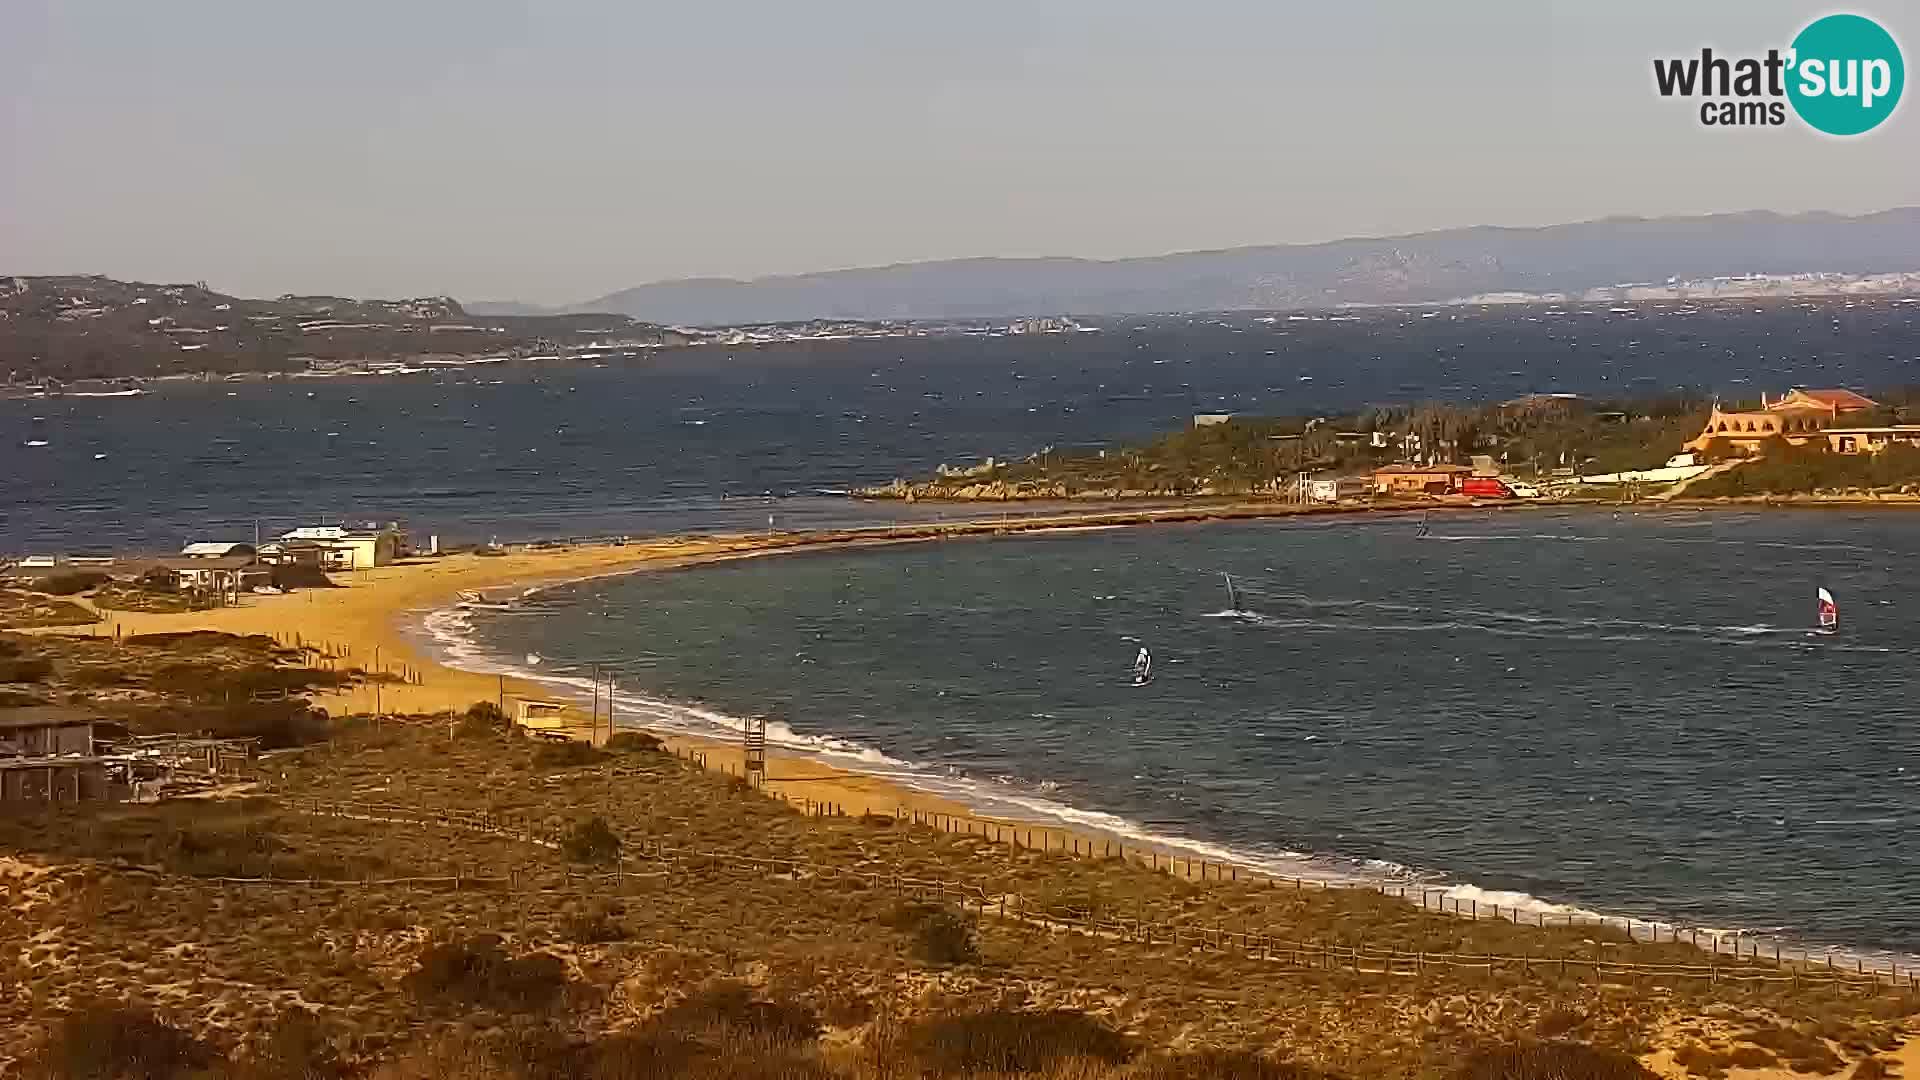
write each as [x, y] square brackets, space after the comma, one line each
[1121, 503]
[379, 617]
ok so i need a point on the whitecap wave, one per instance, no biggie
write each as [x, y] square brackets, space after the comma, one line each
[1499, 622]
[1011, 799]
[452, 634]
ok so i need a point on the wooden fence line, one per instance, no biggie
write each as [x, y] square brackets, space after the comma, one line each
[1058, 840]
[974, 899]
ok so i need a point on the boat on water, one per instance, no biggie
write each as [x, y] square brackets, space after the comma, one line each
[1426, 526]
[1143, 667]
[477, 601]
[1829, 613]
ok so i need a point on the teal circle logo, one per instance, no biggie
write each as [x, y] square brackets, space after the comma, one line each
[1846, 76]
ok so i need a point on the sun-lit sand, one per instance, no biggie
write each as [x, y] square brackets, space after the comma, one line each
[370, 614]
[369, 617]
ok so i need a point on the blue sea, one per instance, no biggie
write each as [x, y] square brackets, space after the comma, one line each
[1557, 710]
[1618, 714]
[708, 438]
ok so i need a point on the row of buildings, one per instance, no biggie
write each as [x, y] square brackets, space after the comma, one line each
[1822, 420]
[226, 567]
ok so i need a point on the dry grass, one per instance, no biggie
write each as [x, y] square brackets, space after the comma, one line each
[200, 682]
[719, 970]
[124, 597]
[21, 610]
[1801, 1047]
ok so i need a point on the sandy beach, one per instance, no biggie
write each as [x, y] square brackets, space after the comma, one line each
[370, 615]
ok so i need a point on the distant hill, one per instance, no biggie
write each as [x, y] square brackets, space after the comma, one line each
[70, 327]
[1419, 268]
[507, 307]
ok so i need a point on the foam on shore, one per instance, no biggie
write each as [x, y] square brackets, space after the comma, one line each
[453, 635]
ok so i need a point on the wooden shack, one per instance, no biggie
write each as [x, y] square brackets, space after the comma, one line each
[54, 731]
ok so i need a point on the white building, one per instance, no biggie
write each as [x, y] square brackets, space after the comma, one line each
[342, 548]
[216, 549]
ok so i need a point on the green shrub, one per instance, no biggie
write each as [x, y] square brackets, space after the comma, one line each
[25, 669]
[70, 582]
[276, 724]
[484, 719]
[109, 1042]
[212, 681]
[1011, 1042]
[205, 641]
[591, 841]
[477, 971]
[1222, 1065]
[635, 742]
[731, 1012]
[635, 1056]
[101, 676]
[594, 928]
[291, 576]
[213, 851]
[1785, 470]
[941, 936]
[570, 754]
[1802, 1050]
[296, 1048]
[1551, 1061]
[1558, 1022]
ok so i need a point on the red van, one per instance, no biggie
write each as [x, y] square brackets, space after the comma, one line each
[1486, 487]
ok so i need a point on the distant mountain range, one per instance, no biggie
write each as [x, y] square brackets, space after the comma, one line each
[1430, 267]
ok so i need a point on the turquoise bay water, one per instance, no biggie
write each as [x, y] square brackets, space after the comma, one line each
[1621, 712]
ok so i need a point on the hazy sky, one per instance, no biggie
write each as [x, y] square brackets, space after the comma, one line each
[555, 150]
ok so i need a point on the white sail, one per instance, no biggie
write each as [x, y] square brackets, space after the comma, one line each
[1829, 611]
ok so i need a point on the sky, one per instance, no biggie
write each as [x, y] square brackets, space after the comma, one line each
[553, 151]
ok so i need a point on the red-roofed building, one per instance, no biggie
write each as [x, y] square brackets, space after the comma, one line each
[1832, 402]
[1798, 417]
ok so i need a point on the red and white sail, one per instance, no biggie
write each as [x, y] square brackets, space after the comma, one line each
[1829, 611]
